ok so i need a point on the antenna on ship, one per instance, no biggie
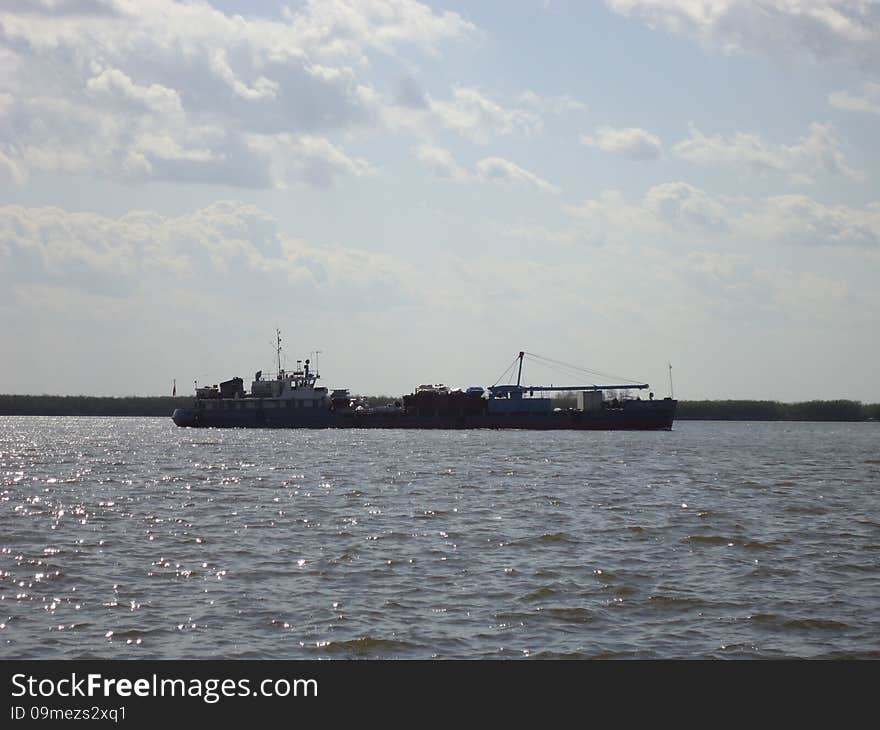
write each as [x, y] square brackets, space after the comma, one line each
[278, 349]
[317, 371]
[671, 391]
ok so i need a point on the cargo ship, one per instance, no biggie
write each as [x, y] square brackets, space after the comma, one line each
[293, 399]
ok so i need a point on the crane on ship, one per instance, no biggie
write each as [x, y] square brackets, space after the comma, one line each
[518, 390]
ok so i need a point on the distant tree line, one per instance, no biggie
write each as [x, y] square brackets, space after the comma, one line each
[765, 410]
[86, 405]
[708, 410]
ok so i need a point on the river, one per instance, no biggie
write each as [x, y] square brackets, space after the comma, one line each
[131, 538]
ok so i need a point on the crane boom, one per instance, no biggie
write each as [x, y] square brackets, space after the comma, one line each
[584, 387]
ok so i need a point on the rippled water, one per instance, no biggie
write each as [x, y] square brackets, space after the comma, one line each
[131, 538]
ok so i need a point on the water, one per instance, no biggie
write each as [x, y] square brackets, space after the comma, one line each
[131, 538]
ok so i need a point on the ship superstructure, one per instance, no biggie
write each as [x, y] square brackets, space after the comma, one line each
[293, 391]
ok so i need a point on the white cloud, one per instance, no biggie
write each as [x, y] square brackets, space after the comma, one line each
[497, 169]
[679, 203]
[868, 101]
[468, 112]
[633, 142]
[128, 90]
[472, 114]
[743, 147]
[817, 29]
[822, 150]
[818, 150]
[681, 213]
[441, 163]
[562, 104]
[539, 234]
[798, 219]
[670, 209]
[113, 85]
[228, 246]
[12, 169]
[344, 27]
[443, 166]
[313, 160]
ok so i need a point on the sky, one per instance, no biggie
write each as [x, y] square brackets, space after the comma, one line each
[413, 192]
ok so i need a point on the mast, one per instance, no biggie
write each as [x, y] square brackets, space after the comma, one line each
[519, 374]
[278, 348]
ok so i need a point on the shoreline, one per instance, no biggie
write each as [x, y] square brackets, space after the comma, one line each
[703, 410]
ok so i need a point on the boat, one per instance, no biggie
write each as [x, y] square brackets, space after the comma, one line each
[293, 399]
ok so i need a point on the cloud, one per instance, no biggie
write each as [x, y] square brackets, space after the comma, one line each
[818, 150]
[562, 104]
[867, 102]
[743, 147]
[342, 26]
[443, 166]
[497, 169]
[124, 90]
[800, 220]
[468, 112]
[540, 234]
[315, 160]
[672, 209]
[633, 142]
[441, 163]
[229, 246]
[472, 114]
[682, 204]
[818, 29]
[677, 212]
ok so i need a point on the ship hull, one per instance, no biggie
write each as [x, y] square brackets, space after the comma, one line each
[633, 416]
